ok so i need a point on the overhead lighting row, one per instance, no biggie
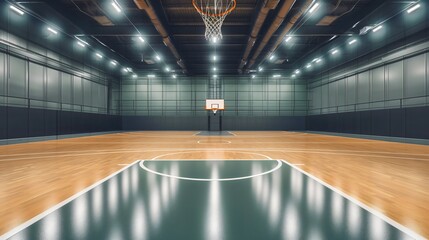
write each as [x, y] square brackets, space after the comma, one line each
[333, 51]
[80, 42]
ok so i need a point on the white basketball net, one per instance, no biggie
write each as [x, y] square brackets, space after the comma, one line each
[213, 13]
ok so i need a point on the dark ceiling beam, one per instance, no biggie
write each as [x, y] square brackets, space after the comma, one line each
[149, 30]
[185, 22]
[306, 30]
[181, 7]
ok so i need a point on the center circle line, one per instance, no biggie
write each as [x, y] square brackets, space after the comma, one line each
[279, 164]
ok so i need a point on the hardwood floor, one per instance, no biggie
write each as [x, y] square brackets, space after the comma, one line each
[389, 177]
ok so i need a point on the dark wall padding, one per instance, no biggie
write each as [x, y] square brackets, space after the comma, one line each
[18, 122]
[407, 122]
[263, 123]
[130, 123]
[3, 122]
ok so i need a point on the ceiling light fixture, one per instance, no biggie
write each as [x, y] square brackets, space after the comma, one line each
[308, 66]
[81, 44]
[214, 58]
[114, 63]
[413, 8]
[253, 76]
[141, 39]
[377, 28]
[352, 41]
[135, 76]
[17, 10]
[52, 30]
[99, 55]
[288, 39]
[174, 76]
[260, 69]
[151, 76]
[293, 75]
[297, 71]
[277, 76]
[116, 6]
[318, 60]
[272, 57]
[335, 51]
[314, 7]
[158, 58]
[167, 69]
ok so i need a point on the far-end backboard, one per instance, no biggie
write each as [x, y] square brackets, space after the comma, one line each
[215, 104]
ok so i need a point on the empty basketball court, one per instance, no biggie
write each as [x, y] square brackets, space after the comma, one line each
[214, 119]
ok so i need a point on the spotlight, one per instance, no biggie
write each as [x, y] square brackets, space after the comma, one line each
[413, 8]
[17, 10]
[377, 28]
[52, 30]
[116, 6]
[352, 41]
[314, 7]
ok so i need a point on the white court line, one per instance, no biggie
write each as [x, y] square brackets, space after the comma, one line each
[279, 165]
[331, 152]
[45, 213]
[269, 149]
[360, 204]
[232, 133]
[197, 133]
[174, 153]
[224, 142]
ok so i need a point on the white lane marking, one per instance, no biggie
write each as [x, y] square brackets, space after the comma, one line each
[279, 164]
[227, 150]
[360, 204]
[269, 149]
[222, 142]
[61, 204]
[308, 151]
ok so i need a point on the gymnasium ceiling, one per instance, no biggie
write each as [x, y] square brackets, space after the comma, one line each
[182, 28]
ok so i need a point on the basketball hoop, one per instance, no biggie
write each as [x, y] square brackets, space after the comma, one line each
[213, 13]
[215, 105]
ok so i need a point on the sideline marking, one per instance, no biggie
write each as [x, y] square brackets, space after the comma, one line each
[279, 165]
[222, 142]
[292, 150]
[50, 210]
[376, 213]
[168, 154]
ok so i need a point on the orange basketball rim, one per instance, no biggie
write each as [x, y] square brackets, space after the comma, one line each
[227, 11]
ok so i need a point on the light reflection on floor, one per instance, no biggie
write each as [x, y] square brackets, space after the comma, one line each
[284, 204]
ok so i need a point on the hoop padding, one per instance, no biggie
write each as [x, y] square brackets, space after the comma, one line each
[213, 13]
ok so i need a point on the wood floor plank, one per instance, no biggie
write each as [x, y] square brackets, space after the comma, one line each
[389, 177]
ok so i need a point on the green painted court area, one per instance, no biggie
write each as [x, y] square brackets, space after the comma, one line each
[213, 200]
